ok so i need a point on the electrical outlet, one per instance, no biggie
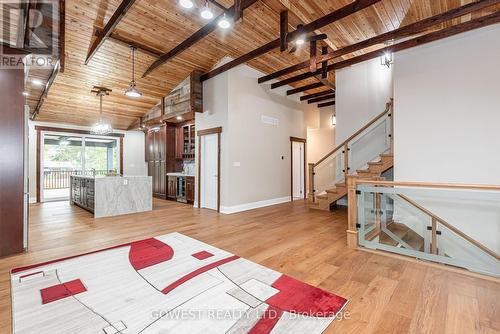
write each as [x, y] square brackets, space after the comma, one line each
[125, 182]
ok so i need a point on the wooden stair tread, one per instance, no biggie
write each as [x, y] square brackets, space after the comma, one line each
[375, 163]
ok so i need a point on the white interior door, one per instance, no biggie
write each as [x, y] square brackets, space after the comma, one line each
[298, 172]
[209, 161]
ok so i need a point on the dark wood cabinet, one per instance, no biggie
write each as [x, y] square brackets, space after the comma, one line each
[160, 157]
[172, 187]
[190, 189]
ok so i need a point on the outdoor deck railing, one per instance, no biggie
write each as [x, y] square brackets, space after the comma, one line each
[60, 179]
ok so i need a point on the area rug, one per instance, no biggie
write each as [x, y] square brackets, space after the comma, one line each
[168, 284]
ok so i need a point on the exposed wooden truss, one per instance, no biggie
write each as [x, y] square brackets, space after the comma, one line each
[314, 95]
[197, 36]
[326, 104]
[109, 27]
[424, 39]
[405, 31]
[304, 88]
[46, 89]
[310, 27]
[321, 98]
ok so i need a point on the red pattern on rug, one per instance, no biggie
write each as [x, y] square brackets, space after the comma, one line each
[267, 322]
[60, 291]
[299, 297]
[148, 252]
[197, 272]
[202, 255]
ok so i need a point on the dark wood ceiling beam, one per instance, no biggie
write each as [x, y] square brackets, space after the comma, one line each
[195, 38]
[62, 35]
[283, 30]
[217, 4]
[345, 11]
[405, 31]
[141, 47]
[109, 27]
[304, 88]
[322, 98]
[296, 78]
[311, 96]
[45, 93]
[421, 40]
[326, 104]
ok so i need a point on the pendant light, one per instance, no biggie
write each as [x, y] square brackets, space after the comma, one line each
[206, 12]
[132, 91]
[101, 128]
[224, 22]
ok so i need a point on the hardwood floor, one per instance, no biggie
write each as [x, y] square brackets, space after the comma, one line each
[387, 295]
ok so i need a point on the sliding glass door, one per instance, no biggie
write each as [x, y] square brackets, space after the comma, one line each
[63, 155]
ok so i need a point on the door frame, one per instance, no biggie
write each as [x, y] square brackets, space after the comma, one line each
[40, 130]
[299, 140]
[201, 133]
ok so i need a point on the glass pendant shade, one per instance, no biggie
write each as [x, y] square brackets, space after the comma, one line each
[101, 128]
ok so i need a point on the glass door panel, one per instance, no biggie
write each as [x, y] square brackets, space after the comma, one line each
[101, 156]
[62, 157]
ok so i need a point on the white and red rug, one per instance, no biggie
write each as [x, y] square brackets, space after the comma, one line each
[168, 284]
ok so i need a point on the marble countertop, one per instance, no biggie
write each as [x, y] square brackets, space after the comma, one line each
[180, 174]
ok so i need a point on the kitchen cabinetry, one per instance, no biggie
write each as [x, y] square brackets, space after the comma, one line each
[185, 142]
[160, 157]
[82, 192]
[172, 187]
[190, 188]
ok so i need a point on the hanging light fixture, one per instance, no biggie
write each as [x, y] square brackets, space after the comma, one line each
[132, 91]
[334, 120]
[224, 22]
[301, 39]
[206, 12]
[101, 128]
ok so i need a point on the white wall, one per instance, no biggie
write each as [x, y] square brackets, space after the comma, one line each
[252, 171]
[362, 93]
[133, 153]
[447, 117]
[320, 134]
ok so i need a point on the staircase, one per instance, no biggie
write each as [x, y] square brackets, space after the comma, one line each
[368, 151]
[374, 171]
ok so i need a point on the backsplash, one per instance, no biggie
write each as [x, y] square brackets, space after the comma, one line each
[189, 168]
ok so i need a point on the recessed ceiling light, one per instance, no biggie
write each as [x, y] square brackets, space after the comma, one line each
[179, 118]
[300, 40]
[37, 82]
[206, 12]
[186, 3]
[224, 22]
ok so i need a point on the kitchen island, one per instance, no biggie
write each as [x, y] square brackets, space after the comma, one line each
[107, 196]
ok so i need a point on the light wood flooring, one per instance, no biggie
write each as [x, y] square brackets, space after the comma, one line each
[387, 295]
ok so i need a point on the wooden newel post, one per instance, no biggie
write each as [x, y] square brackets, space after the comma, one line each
[311, 183]
[352, 212]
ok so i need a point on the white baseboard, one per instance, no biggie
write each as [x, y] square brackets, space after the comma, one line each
[253, 205]
[32, 200]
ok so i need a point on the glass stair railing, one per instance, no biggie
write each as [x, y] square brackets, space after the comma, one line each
[450, 224]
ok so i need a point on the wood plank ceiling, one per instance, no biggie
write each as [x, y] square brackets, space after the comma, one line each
[163, 24]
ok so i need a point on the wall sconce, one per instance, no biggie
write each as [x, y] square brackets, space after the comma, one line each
[334, 120]
[386, 59]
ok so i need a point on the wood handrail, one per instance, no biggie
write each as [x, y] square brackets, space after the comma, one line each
[388, 107]
[451, 227]
[430, 185]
